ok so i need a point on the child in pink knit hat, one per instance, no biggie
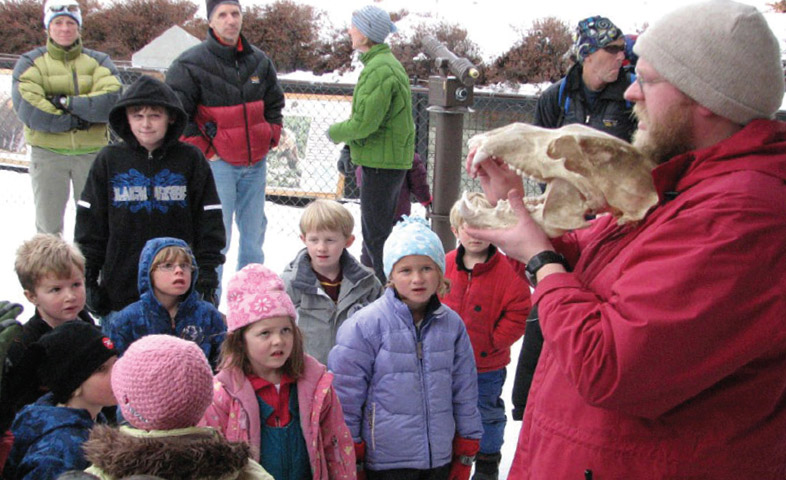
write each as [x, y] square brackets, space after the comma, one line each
[163, 384]
[269, 393]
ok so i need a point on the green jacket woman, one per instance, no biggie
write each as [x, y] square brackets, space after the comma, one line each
[380, 131]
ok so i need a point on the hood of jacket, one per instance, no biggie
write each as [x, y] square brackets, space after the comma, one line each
[149, 252]
[42, 418]
[193, 452]
[148, 91]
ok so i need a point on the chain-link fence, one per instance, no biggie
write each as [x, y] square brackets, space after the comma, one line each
[303, 166]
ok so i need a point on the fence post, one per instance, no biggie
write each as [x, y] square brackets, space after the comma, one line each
[447, 170]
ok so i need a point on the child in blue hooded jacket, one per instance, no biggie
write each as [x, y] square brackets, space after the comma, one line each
[169, 304]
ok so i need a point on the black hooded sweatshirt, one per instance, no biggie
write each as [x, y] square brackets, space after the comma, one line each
[133, 195]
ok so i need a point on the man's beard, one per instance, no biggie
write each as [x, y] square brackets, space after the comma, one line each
[669, 137]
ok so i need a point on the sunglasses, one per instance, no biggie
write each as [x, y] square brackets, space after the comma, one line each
[614, 49]
[63, 8]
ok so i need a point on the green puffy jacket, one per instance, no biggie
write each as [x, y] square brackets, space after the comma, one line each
[87, 78]
[380, 131]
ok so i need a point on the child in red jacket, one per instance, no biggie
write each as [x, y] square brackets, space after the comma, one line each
[493, 300]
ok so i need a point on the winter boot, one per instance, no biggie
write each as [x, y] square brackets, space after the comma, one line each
[487, 466]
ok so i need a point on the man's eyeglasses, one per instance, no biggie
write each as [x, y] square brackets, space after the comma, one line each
[641, 82]
[614, 49]
[170, 267]
[63, 8]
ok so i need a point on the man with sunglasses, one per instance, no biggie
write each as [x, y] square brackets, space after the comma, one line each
[62, 93]
[591, 92]
[665, 347]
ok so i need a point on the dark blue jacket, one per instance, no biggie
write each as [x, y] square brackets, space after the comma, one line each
[196, 320]
[563, 103]
[48, 440]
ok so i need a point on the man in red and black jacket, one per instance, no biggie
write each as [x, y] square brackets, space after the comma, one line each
[231, 93]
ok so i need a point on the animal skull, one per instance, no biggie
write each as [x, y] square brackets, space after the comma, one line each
[587, 172]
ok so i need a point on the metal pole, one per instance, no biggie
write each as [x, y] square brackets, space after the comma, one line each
[447, 171]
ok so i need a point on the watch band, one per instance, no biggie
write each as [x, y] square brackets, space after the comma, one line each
[541, 259]
[467, 459]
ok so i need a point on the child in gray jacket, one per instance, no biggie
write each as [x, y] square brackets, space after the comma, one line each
[326, 283]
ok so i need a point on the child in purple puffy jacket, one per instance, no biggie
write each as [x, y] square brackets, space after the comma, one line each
[405, 372]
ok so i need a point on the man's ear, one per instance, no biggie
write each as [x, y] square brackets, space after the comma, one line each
[350, 241]
[30, 296]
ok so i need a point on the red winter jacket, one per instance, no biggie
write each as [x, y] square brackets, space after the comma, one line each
[232, 97]
[494, 303]
[665, 349]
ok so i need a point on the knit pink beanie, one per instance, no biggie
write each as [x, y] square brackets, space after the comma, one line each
[254, 293]
[162, 383]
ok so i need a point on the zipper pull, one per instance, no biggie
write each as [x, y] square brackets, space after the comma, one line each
[420, 350]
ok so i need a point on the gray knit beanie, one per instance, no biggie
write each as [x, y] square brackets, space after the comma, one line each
[720, 53]
[373, 22]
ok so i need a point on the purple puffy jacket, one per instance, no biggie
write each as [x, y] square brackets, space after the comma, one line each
[406, 406]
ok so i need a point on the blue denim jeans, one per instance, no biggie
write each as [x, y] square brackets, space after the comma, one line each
[242, 193]
[492, 410]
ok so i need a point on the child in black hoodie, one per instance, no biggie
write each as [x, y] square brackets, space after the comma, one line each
[150, 185]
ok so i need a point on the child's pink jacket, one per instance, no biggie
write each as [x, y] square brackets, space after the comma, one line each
[235, 412]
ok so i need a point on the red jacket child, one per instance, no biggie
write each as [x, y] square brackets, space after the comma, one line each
[493, 300]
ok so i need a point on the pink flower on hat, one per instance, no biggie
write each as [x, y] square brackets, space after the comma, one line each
[255, 293]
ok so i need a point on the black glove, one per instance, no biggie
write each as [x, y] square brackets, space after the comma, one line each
[211, 129]
[345, 165]
[78, 123]
[96, 298]
[59, 101]
[206, 285]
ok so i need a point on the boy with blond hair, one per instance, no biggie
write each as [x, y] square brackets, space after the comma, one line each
[493, 300]
[52, 274]
[326, 283]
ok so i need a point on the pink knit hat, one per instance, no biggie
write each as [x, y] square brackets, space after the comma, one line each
[162, 383]
[254, 293]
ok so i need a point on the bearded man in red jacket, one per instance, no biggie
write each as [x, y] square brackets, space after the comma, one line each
[665, 347]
